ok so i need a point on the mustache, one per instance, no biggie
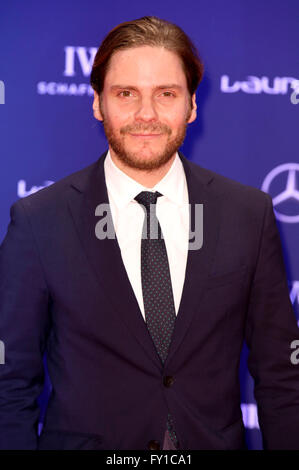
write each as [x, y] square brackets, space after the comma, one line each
[157, 128]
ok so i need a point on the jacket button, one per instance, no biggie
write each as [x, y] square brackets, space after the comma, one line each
[168, 380]
[153, 445]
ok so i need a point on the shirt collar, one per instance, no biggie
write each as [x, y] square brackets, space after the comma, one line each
[124, 189]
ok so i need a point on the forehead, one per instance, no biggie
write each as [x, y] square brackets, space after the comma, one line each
[145, 66]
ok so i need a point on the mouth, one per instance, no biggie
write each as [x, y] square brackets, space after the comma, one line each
[145, 136]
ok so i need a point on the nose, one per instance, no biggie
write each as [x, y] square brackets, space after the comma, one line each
[146, 110]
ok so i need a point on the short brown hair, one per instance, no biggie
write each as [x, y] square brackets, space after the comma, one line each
[148, 31]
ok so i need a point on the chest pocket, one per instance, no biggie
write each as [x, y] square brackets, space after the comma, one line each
[235, 277]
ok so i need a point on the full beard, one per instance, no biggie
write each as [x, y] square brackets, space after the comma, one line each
[132, 159]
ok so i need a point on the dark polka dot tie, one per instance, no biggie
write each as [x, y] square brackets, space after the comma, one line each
[156, 284]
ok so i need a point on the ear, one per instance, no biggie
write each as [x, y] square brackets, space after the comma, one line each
[96, 107]
[193, 111]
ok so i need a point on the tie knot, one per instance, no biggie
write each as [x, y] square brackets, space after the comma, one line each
[146, 198]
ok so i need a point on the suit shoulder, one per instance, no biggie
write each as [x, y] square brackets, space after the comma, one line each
[239, 201]
[229, 188]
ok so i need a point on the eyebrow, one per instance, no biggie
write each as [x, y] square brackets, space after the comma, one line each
[159, 87]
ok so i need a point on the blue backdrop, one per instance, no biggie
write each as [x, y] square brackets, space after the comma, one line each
[248, 114]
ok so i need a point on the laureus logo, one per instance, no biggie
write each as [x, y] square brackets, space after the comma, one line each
[257, 85]
[22, 190]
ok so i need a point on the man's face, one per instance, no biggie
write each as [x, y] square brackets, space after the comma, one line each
[145, 106]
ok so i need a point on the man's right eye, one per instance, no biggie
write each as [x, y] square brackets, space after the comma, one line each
[124, 93]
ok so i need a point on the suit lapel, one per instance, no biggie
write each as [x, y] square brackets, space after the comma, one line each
[200, 261]
[104, 255]
[85, 194]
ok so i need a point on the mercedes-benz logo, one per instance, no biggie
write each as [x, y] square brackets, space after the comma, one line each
[290, 191]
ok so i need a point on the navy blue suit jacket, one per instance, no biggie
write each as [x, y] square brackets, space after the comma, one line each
[64, 291]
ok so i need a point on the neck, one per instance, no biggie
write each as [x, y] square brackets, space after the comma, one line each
[148, 178]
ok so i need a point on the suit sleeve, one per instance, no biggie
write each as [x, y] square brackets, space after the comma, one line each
[24, 324]
[270, 329]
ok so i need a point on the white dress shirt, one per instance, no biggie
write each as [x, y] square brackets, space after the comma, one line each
[172, 211]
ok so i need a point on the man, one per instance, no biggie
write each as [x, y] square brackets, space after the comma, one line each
[143, 334]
